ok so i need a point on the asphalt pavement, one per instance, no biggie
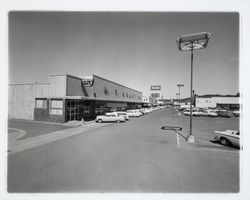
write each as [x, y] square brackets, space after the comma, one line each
[136, 156]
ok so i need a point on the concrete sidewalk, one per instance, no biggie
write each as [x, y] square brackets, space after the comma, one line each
[16, 145]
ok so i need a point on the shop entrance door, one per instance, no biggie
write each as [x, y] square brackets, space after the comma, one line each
[78, 110]
[74, 110]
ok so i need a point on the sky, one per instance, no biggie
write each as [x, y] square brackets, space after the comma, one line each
[136, 49]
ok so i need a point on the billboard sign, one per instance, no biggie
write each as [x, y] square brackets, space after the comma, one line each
[155, 87]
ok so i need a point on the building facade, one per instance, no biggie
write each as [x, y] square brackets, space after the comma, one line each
[148, 101]
[213, 102]
[66, 97]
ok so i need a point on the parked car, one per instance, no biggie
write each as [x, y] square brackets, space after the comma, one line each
[146, 111]
[139, 110]
[123, 114]
[236, 113]
[225, 113]
[109, 117]
[207, 113]
[133, 113]
[184, 107]
[195, 112]
[228, 137]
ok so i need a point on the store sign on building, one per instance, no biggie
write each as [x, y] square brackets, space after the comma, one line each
[87, 80]
[155, 87]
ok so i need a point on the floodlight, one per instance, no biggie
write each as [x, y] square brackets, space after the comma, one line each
[193, 41]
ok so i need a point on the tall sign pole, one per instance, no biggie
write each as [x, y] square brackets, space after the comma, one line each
[192, 42]
[191, 96]
[179, 86]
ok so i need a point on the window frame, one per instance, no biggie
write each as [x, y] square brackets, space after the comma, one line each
[56, 108]
[45, 106]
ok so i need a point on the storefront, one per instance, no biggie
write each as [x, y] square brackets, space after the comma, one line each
[68, 97]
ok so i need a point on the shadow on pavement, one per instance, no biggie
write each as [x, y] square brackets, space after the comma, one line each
[229, 146]
[199, 143]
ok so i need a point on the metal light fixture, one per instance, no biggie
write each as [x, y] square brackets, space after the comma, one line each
[192, 42]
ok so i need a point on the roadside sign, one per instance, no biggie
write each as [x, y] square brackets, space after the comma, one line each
[155, 87]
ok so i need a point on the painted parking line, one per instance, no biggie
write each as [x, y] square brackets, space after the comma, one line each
[178, 141]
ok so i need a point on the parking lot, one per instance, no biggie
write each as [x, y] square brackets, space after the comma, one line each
[204, 127]
[135, 156]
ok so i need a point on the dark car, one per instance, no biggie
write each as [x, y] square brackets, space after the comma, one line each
[224, 113]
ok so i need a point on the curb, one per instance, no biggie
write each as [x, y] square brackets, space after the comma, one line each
[79, 124]
[18, 146]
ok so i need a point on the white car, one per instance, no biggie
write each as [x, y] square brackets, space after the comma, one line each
[195, 112]
[228, 137]
[123, 114]
[207, 113]
[109, 117]
[155, 108]
[146, 111]
[134, 113]
[236, 113]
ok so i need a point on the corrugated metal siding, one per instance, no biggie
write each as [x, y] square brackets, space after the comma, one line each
[57, 85]
[22, 99]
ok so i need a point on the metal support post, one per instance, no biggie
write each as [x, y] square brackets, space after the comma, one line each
[190, 136]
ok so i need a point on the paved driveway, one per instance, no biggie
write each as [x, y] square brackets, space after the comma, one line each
[136, 156]
[33, 128]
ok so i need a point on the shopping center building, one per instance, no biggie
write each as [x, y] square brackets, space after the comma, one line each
[222, 102]
[66, 97]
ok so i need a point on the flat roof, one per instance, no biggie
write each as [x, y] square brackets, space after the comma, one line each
[65, 75]
[38, 83]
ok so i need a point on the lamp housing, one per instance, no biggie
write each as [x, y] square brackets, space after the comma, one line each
[193, 41]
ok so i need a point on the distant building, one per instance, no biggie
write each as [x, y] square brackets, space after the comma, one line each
[155, 93]
[165, 102]
[223, 102]
[66, 97]
[148, 101]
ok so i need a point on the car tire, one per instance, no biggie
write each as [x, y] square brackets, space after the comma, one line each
[224, 141]
[99, 121]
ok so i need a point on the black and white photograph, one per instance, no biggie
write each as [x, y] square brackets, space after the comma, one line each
[125, 102]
